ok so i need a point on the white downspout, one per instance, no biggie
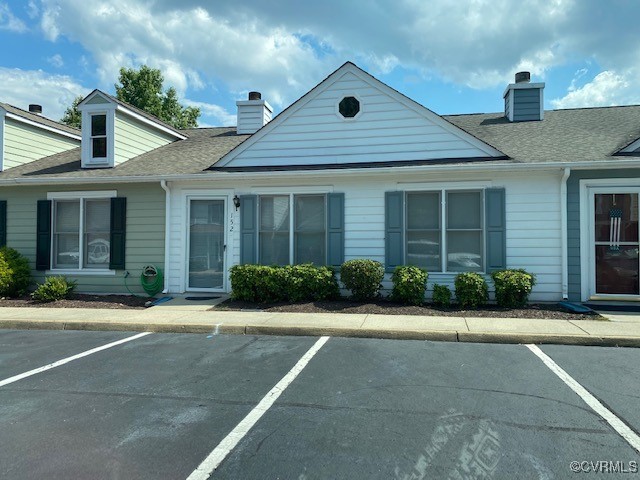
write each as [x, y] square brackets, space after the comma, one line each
[563, 234]
[167, 232]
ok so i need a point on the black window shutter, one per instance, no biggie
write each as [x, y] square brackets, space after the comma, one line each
[43, 235]
[118, 234]
[335, 229]
[394, 230]
[248, 229]
[496, 231]
[3, 223]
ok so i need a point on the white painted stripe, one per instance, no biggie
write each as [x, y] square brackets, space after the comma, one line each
[9, 380]
[225, 447]
[618, 425]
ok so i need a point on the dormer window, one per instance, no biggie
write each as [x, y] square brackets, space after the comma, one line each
[99, 136]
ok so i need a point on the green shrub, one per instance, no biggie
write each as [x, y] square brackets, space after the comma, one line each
[513, 287]
[441, 296]
[15, 273]
[306, 282]
[362, 277]
[293, 283]
[53, 288]
[471, 290]
[409, 285]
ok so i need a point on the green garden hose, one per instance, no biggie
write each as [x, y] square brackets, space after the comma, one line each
[152, 280]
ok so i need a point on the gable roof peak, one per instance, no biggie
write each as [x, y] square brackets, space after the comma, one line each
[135, 111]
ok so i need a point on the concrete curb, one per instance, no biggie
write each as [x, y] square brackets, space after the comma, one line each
[433, 335]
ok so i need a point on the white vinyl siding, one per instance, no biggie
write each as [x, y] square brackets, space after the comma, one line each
[532, 214]
[133, 138]
[384, 130]
[25, 143]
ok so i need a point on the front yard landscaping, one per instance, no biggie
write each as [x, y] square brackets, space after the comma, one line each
[381, 306]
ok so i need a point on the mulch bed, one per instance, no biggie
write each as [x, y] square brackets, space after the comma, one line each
[80, 301]
[538, 310]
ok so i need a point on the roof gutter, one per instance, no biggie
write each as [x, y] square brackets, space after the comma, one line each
[331, 173]
[563, 233]
[167, 233]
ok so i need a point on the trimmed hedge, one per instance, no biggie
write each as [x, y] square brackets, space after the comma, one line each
[362, 277]
[289, 283]
[513, 287]
[471, 289]
[409, 285]
[15, 273]
[53, 288]
[441, 296]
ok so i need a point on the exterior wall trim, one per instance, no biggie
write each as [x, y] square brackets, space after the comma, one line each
[586, 261]
[82, 194]
[205, 194]
[3, 115]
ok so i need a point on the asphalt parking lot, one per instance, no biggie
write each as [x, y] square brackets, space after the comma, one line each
[157, 406]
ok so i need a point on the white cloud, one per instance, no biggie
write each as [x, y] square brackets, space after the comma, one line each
[54, 92]
[56, 60]
[284, 48]
[210, 112]
[8, 21]
[32, 9]
[606, 89]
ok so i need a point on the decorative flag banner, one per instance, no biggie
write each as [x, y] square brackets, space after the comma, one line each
[615, 214]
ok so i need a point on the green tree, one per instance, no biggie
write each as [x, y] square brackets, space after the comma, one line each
[143, 89]
[72, 115]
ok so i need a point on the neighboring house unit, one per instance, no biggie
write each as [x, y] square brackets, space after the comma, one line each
[353, 169]
[28, 136]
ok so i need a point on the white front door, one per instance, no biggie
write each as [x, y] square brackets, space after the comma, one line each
[614, 242]
[206, 244]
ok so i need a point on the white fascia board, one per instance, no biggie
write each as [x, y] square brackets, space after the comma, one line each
[331, 173]
[96, 92]
[83, 106]
[3, 114]
[26, 121]
[374, 83]
[151, 123]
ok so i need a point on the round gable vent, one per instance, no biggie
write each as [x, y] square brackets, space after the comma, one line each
[349, 107]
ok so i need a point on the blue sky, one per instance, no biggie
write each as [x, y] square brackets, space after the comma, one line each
[452, 57]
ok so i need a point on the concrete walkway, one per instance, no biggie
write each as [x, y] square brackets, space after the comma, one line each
[182, 316]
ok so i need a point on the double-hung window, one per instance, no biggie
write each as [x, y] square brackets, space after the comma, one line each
[284, 239]
[445, 230]
[99, 135]
[81, 233]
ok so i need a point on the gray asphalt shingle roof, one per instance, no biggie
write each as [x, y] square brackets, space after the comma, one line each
[39, 119]
[203, 147]
[574, 135]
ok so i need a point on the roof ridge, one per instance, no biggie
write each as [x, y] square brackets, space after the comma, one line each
[140, 111]
[36, 116]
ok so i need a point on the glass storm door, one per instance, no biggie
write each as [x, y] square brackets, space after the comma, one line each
[616, 243]
[206, 245]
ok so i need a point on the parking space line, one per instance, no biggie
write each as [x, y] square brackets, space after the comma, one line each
[15, 378]
[215, 458]
[618, 425]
